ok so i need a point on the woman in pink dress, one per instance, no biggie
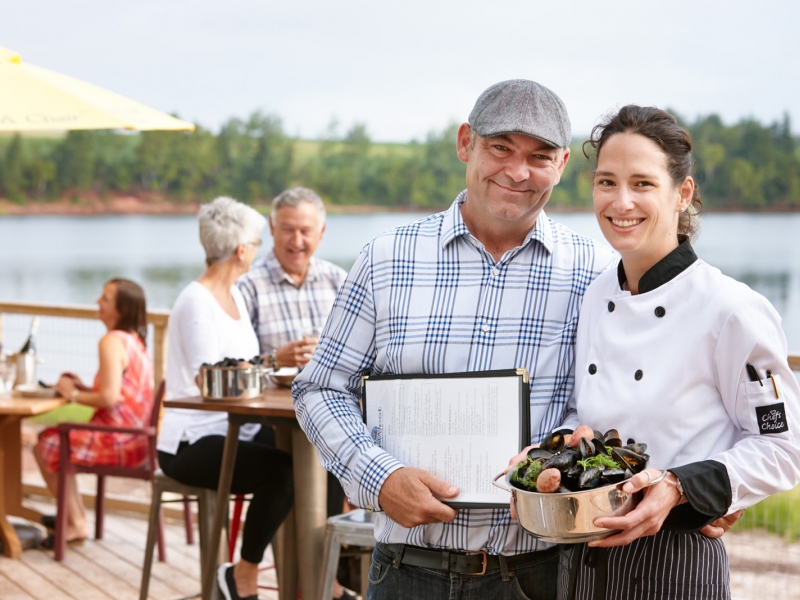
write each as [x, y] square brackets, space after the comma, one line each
[122, 394]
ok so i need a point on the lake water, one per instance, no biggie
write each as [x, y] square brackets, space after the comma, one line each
[67, 259]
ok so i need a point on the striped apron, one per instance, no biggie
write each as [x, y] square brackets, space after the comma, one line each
[671, 565]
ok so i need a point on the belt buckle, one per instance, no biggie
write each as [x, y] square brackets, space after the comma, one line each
[485, 562]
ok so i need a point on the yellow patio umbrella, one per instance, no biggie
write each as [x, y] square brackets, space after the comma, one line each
[37, 99]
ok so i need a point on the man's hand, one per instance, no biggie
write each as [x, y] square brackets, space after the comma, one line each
[719, 527]
[297, 353]
[407, 497]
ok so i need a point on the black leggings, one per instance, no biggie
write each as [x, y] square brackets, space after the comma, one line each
[260, 469]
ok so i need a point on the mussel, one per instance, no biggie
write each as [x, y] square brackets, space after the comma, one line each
[636, 462]
[539, 453]
[554, 442]
[563, 460]
[590, 477]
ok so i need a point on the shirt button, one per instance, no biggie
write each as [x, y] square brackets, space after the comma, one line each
[485, 328]
[611, 307]
[592, 369]
[495, 272]
[638, 375]
[474, 242]
[370, 507]
[660, 312]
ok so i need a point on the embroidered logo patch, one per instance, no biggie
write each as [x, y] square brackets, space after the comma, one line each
[772, 418]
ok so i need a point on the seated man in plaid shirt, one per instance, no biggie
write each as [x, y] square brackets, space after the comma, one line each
[491, 283]
[289, 293]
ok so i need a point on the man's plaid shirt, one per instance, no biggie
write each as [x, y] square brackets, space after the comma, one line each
[282, 311]
[428, 298]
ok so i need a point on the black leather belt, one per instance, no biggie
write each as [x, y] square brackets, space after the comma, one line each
[465, 563]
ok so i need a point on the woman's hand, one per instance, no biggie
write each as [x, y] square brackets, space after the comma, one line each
[647, 518]
[719, 527]
[65, 385]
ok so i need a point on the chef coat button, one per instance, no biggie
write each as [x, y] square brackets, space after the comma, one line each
[611, 307]
[592, 369]
[638, 375]
[660, 312]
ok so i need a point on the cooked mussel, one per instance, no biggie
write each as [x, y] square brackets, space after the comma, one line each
[614, 475]
[563, 460]
[636, 462]
[590, 477]
[586, 448]
[539, 453]
[554, 442]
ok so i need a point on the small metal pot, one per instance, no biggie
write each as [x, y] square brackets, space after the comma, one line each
[233, 383]
[569, 518]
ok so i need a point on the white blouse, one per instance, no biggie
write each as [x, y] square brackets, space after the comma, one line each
[200, 331]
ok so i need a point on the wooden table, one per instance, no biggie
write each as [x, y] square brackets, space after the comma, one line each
[299, 543]
[12, 411]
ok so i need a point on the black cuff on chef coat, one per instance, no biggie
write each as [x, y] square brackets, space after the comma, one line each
[707, 488]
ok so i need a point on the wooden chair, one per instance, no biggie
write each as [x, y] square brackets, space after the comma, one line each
[145, 472]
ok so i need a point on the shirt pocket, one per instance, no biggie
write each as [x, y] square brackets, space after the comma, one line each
[766, 413]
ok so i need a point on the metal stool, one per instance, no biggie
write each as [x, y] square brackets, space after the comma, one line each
[206, 500]
[356, 528]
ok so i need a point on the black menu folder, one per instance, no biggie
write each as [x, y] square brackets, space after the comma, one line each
[462, 427]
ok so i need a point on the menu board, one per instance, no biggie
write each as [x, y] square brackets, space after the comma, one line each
[462, 427]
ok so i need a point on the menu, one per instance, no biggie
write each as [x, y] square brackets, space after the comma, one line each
[461, 427]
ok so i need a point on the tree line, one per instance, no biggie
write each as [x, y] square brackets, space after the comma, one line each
[747, 165]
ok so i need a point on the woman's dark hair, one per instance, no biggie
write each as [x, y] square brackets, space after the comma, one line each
[663, 129]
[131, 307]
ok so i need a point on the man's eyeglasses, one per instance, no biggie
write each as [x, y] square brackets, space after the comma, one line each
[256, 243]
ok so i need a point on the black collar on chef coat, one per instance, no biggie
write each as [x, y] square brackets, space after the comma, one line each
[667, 269]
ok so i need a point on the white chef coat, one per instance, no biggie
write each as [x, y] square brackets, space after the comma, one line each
[678, 381]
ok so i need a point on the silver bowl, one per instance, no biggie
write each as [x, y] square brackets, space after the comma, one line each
[569, 518]
[233, 383]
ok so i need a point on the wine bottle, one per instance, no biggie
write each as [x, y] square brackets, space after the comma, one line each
[30, 344]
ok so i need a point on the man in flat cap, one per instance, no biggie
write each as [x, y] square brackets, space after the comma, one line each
[490, 283]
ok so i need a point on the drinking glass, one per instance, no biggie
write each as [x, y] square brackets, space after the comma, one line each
[8, 373]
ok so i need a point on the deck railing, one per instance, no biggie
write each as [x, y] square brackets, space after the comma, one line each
[156, 318]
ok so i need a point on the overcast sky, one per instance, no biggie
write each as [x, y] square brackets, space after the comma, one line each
[406, 68]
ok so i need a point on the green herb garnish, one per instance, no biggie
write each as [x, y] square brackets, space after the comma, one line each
[600, 460]
[526, 473]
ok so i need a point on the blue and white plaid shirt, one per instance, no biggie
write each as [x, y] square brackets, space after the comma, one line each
[282, 311]
[428, 298]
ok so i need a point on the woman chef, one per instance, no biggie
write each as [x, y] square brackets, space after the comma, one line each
[675, 354]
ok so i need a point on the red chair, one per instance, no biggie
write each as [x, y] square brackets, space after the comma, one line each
[144, 472]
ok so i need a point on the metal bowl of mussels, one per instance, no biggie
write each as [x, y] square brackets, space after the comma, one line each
[233, 379]
[566, 515]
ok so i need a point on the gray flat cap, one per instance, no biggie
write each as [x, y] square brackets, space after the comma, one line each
[522, 106]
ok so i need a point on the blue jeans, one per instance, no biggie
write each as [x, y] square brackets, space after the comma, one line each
[532, 580]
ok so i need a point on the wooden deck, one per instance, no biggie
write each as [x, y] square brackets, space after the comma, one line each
[111, 569]
[762, 566]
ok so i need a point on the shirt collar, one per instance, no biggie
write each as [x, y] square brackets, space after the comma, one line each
[277, 274]
[667, 269]
[454, 226]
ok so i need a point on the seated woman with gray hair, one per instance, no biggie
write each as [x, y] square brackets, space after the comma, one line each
[209, 322]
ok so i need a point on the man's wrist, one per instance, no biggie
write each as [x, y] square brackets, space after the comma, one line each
[73, 395]
[273, 361]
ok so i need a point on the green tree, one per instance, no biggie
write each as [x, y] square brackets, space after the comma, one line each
[12, 178]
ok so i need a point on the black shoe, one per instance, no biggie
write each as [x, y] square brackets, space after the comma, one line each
[346, 595]
[227, 585]
[49, 521]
